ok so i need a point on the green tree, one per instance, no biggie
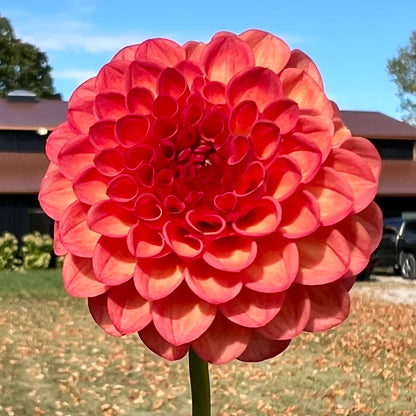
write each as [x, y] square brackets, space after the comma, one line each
[402, 70]
[23, 65]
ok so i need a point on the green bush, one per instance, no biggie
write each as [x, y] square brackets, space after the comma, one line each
[9, 250]
[36, 250]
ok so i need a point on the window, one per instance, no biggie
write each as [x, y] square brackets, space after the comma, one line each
[394, 149]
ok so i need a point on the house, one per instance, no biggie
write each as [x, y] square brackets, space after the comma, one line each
[26, 122]
[396, 143]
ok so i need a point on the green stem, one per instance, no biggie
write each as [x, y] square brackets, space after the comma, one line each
[200, 391]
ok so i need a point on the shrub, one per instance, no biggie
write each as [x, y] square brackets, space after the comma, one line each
[36, 250]
[9, 250]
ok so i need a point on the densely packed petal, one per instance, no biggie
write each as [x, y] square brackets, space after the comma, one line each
[209, 196]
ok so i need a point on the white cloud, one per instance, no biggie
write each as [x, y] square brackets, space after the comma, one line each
[60, 32]
[75, 74]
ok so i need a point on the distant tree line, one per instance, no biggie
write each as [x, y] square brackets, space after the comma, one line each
[23, 65]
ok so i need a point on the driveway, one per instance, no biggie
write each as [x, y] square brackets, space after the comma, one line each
[390, 288]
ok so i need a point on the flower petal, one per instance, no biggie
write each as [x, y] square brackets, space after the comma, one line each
[251, 180]
[261, 218]
[193, 49]
[156, 278]
[300, 215]
[182, 317]
[204, 223]
[128, 311]
[164, 51]
[283, 177]
[126, 54]
[81, 113]
[305, 152]
[110, 219]
[324, 257]
[109, 162]
[55, 193]
[98, 309]
[367, 151]
[110, 105]
[57, 139]
[363, 233]
[319, 130]
[334, 195]
[222, 342]
[357, 173]
[300, 87]
[75, 156]
[230, 253]
[212, 285]
[183, 243]
[110, 78]
[214, 92]
[102, 134]
[152, 339]
[139, 101]
[79, 279]
[132, 130]
[284, 113]
[171, 83]
[265, 137]
[113, 264]
[261, 348]
[275, 267]
[299, 59]
[90, 186]
[293, 316]
[243, 117]
[330, 305]
[269, 51]
[145, 242]
[341, 132]
[143, 75]
[252, 309]
[225, 56]
[58, 248]
[75, 234]
[257, 84]
[123, 189]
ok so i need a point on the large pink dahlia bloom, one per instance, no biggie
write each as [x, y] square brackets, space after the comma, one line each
[209, 196]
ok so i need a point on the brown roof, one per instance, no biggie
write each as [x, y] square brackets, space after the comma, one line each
[374, 125]
[398, 178]
[21, 173]
[31, 115]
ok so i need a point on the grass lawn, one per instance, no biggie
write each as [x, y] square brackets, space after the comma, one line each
[55, 361]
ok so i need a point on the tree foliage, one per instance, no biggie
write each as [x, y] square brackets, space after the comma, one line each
[402, 69]
[23, 65]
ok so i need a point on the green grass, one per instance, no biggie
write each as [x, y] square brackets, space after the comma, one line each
[55, 361]
[34, 284]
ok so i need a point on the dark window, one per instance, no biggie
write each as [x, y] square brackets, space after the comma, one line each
[394, 149]
[410, 227]
[21, 214]
[21, 141]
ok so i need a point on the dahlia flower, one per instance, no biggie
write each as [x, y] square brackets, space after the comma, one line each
[209, 196]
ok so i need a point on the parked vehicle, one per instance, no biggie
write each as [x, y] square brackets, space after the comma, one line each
[406, 249]
[397, 249]
[384, 255]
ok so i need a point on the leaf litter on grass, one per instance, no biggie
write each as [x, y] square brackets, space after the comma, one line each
[55, 361]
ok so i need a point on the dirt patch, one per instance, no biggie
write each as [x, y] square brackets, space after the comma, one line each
[389, 288]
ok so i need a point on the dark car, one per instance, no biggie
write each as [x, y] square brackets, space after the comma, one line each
[397, 249]
[384, 255]
[406, 249]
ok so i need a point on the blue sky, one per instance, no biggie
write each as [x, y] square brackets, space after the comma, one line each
[349, 41]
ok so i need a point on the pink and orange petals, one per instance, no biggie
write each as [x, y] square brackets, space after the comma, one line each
[209, 196]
